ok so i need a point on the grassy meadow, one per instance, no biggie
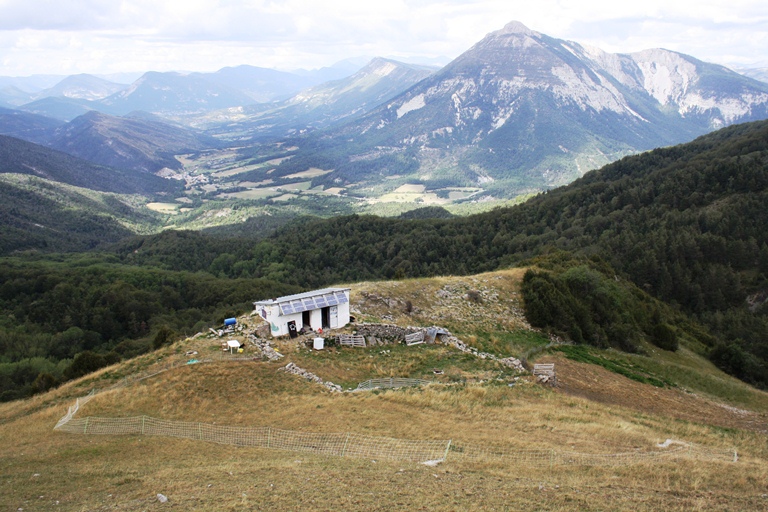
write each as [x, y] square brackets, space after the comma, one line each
[592, 410]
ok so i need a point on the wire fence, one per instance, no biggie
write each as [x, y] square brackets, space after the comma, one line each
[542, 458]
[336, 444]
[350, 444]
[355, 445]
[73, 409]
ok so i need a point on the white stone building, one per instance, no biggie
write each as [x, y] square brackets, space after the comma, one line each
[320, 309]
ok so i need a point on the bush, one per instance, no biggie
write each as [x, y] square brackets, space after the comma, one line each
[587, 306]
[734, 360]
[664, 337]
[549, 304]
[163, 337]
[88, 362]
[43, 383]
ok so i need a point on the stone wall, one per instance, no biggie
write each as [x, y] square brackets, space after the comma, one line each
[301, 372]
[380, 334]
[384, 334]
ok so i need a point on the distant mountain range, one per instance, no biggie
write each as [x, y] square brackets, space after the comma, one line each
[83, 87]
[756, 73]
[518, 112]
[161, 92]
[322, 105]
[141, 143]
[524, 111]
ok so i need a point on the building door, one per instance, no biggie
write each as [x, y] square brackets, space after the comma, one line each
[305, 320]
[325, 317]
[334, 317]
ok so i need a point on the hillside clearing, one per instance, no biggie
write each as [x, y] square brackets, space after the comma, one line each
[472, 404]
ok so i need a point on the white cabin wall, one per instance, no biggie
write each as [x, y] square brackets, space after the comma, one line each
[344, 313]
[316, 319]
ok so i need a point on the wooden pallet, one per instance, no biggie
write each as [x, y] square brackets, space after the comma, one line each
[351, 340]
[546, 371]
[415, 338]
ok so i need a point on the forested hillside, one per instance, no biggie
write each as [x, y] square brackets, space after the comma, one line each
[43, 215]
[63, 317]
[684, 224]
[21, 157]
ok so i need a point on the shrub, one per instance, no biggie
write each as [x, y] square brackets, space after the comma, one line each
[43, 383]
[87, 362]
[664, 337]
[163, 337]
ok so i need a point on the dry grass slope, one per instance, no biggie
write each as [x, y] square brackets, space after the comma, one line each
[593, 411]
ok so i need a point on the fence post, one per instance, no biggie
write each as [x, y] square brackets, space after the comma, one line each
[344, 450]
[142, 424]
[551, 458]
[269, 437]
[85, 428]
[199, 431]
[447, 449]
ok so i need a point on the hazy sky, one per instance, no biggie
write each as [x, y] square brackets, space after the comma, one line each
[109, 36]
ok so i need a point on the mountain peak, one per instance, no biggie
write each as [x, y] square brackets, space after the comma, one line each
[516, 27]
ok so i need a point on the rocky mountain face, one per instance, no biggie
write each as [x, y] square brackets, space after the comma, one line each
[521, 110]
[379, 80]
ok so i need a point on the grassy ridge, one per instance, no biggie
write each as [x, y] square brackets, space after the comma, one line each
[472, 408]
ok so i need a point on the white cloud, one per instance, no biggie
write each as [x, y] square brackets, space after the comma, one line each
[70, 36]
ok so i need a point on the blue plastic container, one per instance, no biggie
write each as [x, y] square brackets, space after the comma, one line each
[230, 321]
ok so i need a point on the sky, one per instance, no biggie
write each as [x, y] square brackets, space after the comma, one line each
[64, 37]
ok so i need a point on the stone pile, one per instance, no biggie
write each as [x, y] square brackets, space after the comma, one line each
[230, 330]
[292, 368]
[511, 362]
[266, 349]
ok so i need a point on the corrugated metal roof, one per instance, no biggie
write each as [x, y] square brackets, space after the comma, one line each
[299, 296]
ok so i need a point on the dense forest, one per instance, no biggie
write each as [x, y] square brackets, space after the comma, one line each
[685, 224]
[62, 316]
